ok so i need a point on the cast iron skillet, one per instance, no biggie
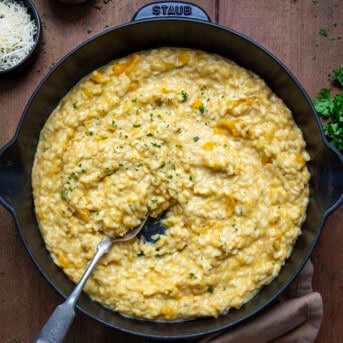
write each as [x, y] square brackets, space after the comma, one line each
[157, 25]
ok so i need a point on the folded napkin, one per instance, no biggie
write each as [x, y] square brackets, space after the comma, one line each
[295, 317]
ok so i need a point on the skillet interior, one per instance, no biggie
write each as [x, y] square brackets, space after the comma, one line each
[119, 42]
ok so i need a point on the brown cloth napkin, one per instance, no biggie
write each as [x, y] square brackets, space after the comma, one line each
[295, 317]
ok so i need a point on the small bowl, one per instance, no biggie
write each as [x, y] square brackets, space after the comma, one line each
[23, 64]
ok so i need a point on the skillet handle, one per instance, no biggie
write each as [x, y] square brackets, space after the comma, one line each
[12, 176]
[329, 181]
[171, 9]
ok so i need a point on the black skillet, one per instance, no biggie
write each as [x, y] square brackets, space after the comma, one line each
[157, 25]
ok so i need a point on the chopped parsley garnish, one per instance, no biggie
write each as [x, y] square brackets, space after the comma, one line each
[75, 104]
[331, 109]
[63, 196]
[163, 164]
[121, 164]
[150, 134]
[338, 75]
[89, 133]
[136, 125]
[190, 178]
[202, 109]
[195, 139]
[184, 96]
[323, 32]
[210, 289]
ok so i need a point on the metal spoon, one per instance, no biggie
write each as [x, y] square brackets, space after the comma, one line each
[59, 322]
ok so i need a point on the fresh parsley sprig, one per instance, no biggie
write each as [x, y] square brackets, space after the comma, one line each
[338, 75]
[331, 109]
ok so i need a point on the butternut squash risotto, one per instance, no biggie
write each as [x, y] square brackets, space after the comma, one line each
[185, 132]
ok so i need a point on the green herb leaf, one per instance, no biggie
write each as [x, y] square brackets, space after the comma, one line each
[195, 139]
[136, 125]
[184, 96]
[202, 109]
[324, 107]
[210, 289]
[338, 75]
[332, 110]
[323, 32]
[325, 93]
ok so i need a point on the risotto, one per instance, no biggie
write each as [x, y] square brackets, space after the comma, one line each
[183, 132]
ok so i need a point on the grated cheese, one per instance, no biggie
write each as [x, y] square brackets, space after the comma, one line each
[17, 33]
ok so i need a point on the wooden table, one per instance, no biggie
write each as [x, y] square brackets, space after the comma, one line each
[289, 29]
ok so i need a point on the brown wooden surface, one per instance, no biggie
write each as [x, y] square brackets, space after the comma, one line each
[290, 29]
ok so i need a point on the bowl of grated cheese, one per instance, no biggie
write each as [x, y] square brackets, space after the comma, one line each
[20, 29]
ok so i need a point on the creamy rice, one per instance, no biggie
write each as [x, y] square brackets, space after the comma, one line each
[183, 131]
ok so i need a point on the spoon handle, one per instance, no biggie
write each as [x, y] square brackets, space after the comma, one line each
[59, 322]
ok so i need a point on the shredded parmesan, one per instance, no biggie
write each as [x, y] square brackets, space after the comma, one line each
[17, 32]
